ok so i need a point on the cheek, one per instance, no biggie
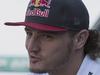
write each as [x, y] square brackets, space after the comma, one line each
[56, 53]
[56, 47]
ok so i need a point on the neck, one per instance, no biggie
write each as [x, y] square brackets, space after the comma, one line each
[71, 67]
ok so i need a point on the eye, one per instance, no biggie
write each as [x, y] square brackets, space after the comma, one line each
[48, 36]
[29, 33]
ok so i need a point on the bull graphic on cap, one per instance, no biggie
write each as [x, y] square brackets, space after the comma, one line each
[38, 3]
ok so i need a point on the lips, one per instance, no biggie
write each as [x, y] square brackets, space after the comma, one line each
[34, 59]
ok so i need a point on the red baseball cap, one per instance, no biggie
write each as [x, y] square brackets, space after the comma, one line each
[55, 15]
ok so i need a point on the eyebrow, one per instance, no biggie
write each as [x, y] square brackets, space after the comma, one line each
[28, 29]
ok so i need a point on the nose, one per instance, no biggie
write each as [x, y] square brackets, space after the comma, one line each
[33, 44]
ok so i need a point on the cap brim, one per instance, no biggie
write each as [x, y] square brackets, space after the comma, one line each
[36, 26]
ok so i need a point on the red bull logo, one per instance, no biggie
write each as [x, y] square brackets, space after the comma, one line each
[38, 3]
[36, 11]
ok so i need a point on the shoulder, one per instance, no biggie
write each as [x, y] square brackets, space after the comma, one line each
[97, 61]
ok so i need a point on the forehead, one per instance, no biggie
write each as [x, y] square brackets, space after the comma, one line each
[49, 32]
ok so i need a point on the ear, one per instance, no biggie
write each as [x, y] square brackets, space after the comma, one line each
[80, 39]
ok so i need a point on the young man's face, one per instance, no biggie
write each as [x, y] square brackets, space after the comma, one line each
[47, 50]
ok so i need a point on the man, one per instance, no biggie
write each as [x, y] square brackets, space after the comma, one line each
[57, 35]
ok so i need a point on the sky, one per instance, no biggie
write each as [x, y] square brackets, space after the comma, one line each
[12, 39]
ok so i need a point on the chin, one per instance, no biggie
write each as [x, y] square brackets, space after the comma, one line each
[37, 68]
[34, 70]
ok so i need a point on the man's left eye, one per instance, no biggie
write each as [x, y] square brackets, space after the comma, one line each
[47, 36]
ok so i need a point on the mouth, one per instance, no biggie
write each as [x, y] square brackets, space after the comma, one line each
[34, 59]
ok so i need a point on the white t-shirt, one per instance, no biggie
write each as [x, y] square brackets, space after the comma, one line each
[88, 67]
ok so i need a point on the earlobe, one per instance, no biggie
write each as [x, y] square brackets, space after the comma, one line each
[81, 38]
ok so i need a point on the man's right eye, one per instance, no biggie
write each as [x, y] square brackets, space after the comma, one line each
[29, 33]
